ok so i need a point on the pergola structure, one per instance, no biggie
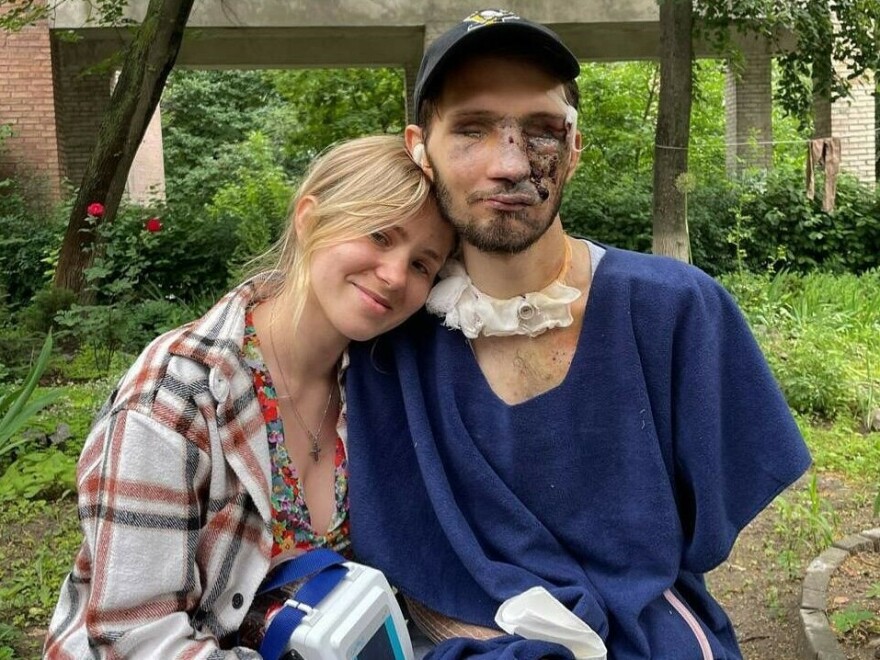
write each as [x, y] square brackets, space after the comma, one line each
[53, 95]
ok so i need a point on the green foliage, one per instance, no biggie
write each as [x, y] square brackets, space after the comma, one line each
[47, 474]
[618, 213]
[8, 636]
[40, 315]
[784, 221]
[324, 106]
[806, 525]
[37, 543]
[819, 333]
[18, 405]
[203, 112]
[102, 328]
[845, 621]
[842, 448]
[254, 201]
[18, 14]
[618, 110]
[122, 260]
[73, 413]
[810, 367]
[107, 332]
[182, 260]
[848, 36]
[28, 234]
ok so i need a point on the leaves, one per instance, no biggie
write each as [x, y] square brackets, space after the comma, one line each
[17, 406]
[324, 106]
[842, 31]
[849, 619]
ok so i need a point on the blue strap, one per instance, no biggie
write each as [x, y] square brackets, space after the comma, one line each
[300, 567]
[327, 571]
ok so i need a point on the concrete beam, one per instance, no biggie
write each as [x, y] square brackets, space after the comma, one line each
[75, 14]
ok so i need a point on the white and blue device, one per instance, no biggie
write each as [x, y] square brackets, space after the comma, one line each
[344, 611]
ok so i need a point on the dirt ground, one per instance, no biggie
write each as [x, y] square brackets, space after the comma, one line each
[762, 597]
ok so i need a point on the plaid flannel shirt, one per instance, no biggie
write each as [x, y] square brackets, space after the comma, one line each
[174, 503]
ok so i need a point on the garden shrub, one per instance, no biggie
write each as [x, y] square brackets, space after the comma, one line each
[29, 235]
[617, 214]
[819, 333]
[39, 316]
[184, 256]
[810, 367]
[785, 223]
[254, 202]
[46, 474]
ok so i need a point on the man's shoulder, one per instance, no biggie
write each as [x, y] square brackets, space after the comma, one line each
[653, 273]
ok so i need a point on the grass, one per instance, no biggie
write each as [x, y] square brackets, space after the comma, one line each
[38, 541]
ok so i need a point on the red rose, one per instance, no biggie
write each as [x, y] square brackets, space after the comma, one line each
[153, 225]
[95, 209]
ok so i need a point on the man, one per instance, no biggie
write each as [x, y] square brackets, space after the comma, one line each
[592, 421]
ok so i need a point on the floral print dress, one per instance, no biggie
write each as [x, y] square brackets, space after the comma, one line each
[292, 531]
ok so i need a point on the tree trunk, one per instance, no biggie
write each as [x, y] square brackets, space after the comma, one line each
[148, 61]
[673, 130]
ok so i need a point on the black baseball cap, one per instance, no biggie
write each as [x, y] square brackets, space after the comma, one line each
[495, 26]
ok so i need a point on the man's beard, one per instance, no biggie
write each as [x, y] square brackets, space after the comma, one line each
[498, 235]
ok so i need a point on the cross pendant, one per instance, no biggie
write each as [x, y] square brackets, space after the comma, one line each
[315, 451]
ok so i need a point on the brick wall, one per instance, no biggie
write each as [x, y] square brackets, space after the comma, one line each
[27, 103]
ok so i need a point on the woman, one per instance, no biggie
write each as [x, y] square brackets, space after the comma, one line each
[222, 449]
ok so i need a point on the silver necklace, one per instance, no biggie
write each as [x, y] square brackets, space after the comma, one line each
[315, 436]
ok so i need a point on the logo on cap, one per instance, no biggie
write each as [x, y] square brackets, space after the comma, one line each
[489, 17]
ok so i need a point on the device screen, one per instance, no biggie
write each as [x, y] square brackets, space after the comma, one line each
[383, 645]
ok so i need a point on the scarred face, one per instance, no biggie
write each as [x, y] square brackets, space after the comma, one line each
[500, 149]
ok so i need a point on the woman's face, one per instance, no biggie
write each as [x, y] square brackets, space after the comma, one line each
[368, 285]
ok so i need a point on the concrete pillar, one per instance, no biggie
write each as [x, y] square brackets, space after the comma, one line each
[748, 111]
[27, 106]
[82, 93]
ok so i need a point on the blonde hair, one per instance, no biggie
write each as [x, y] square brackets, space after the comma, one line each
[360, 186]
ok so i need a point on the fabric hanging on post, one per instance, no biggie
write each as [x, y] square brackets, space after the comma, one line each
[824, 152]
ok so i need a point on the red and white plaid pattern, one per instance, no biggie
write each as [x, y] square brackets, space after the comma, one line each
[174, 503]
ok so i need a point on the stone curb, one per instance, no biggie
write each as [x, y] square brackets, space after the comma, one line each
[818, 641]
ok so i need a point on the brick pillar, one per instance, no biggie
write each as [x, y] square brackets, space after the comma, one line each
[748, 110]
[146, 176]
[852, 120]
[27, 104]
[82, 94]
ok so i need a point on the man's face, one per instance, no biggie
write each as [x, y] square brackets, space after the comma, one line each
[500, 152]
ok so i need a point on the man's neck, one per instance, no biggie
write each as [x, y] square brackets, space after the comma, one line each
[508, 275]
